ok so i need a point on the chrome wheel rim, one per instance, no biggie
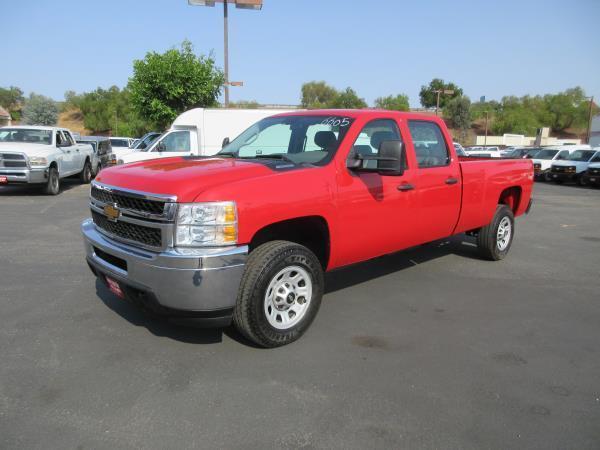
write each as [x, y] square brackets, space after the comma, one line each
[288, 297]
[504, 233]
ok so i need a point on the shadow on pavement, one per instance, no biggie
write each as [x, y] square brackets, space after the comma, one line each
[20, 190]
[185, 331]
[384, 265]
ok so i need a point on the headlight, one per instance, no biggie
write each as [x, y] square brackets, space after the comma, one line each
[206, 224]
[38, 161]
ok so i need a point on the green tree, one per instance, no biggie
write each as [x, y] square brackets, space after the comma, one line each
[393, 103]
[458, 113]
[348, 99]
[40, 110]
[12, 99]
[318, 94]
[428, 95]
[165, 85]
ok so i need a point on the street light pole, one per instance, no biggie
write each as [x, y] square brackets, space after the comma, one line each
[242, 4]
[226, 46]
[589, 127]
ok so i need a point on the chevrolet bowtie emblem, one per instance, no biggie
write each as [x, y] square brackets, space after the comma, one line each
[111, 212]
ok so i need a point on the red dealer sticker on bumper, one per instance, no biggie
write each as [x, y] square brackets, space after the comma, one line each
[114, 287]
[3, 180]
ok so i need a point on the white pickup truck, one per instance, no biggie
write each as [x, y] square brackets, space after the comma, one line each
[42, 156]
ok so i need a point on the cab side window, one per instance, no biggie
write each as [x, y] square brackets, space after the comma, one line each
[68, 138]
[430, 145]
[372, 135]
[178, 141]
[60, 139]
[562, 155]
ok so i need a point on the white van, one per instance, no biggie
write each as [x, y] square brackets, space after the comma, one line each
[201, 132]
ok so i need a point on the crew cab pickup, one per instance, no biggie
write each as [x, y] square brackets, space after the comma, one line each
[246, 234]
[42, 156]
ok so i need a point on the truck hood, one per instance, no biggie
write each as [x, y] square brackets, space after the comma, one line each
[184, 177]
[28, 149]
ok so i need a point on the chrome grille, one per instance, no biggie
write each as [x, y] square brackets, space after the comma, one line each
[151, 237]
[13, 160]
[128, 202]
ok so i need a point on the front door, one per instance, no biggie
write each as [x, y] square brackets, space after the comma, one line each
[439, 186]
[377, 212]
[68, 158]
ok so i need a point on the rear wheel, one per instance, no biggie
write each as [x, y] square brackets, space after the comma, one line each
[86, 174]
[494, 240]
[52, 186]
[280, 293]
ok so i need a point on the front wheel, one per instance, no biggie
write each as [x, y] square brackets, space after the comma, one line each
[494, 240]
[280, 293]
[52, 186]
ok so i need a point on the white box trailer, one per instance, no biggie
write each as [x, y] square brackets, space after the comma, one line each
[201, 132]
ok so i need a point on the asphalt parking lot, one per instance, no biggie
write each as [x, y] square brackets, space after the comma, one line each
[428, 348]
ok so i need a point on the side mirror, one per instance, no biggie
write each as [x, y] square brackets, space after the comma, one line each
[390, 160]
[225, 142]
[161, 147]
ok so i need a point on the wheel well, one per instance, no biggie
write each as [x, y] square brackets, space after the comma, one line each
[310, 231]
[511, 197]
[53, 164]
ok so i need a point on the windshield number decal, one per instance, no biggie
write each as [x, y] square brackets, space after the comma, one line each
[336, 121]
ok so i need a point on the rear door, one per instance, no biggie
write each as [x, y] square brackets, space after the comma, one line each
[439, 185]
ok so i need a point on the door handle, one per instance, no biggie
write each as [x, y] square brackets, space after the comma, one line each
[452, 180]
[405, 187]
[77, 150]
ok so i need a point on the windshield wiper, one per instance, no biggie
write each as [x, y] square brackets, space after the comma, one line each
[272, 156]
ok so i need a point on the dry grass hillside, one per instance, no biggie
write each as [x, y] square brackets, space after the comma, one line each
[73, 120]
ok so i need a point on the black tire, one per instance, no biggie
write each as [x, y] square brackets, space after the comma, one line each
[548, 176]
[487, 238]
[85, 177]
[264, 263]
[581, 181]
[52, 186]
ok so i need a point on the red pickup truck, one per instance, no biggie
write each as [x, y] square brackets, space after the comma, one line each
[246, 235]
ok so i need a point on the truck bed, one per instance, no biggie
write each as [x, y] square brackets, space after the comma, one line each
[485, 180]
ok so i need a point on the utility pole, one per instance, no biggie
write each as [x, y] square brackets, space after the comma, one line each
[487, 113]
[589, 127]
[226, 47]
[438, 92]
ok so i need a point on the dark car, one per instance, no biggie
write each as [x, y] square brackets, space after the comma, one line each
[102, 150]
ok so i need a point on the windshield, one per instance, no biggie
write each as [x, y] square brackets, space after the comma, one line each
[31, 136]
[581, 155]
[545, 154]
[298, 139]
[145, 142]
[596, 158]
[119, 142]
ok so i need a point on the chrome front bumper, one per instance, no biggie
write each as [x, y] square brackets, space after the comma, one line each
[20, 175]
[195, 282]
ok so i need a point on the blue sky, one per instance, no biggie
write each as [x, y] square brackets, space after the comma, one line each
[377, 47]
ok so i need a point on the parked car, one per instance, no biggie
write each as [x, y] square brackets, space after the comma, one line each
[146, 140]
[102, 150]
[573, 167]
[120, 146]
[246, 234]
[592, 174]
[543, 160]
[483, 152]
[42, 156]
[460, 151]
[199, 131]
[516, 152]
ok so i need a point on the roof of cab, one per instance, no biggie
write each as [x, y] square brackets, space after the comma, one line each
[356, 113]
